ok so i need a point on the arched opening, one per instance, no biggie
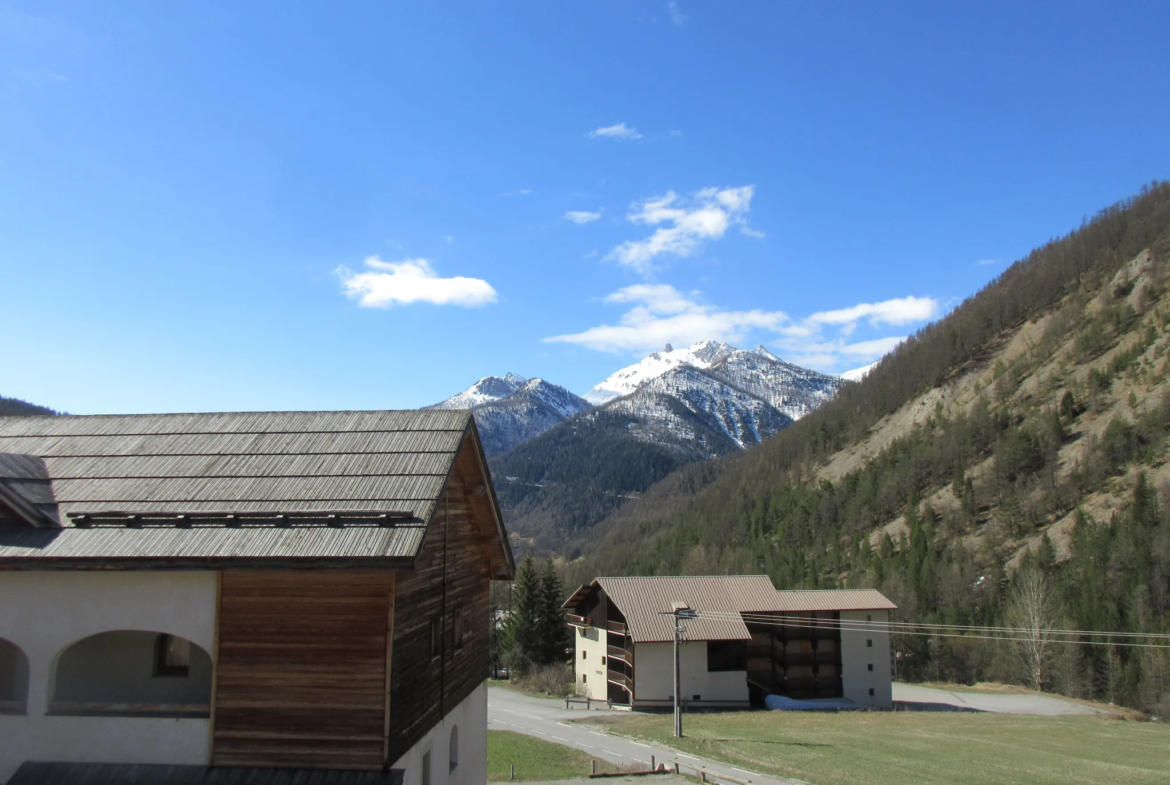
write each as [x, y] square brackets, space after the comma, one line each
[454, 755]
[13, 679]
[133, 673]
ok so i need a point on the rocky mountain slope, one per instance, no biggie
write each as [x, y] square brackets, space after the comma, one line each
[1023, 438]
[511, 410]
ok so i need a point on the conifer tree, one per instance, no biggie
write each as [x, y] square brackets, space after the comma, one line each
[525, 621]
[551, 618]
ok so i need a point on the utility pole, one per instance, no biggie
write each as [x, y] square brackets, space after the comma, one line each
[681, 612]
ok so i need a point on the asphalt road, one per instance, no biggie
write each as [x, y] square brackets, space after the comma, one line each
[913, 697]
[549, 720]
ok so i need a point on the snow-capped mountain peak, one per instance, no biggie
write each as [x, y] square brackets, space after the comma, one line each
[512, 409]
[630, 378]
[857, 374]
[489, 388]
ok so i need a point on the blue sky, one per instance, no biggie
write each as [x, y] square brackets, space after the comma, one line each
[272, 205]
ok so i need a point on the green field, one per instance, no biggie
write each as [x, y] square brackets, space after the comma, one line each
[535, 759]
[886, 748]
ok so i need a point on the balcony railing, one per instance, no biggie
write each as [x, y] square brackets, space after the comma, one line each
[618, 653]
[622, 680]
[617, 627]
[578, 621]
[793, 658]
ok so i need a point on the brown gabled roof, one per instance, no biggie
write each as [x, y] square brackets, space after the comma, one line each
[642, 599]
[719, 601]
[147, 490]
[809, 600]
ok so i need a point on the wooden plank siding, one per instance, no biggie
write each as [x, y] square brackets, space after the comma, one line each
[452, 574]
[301, 678]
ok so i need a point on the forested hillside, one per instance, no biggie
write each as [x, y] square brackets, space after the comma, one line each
[15, 406]
[1020, 440]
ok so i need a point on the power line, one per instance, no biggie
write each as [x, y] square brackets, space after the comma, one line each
[944, 631]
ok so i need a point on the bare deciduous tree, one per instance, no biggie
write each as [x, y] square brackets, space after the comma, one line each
[1032, 614]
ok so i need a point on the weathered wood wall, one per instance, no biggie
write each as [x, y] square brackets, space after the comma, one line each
[301, 670]
[452, 573]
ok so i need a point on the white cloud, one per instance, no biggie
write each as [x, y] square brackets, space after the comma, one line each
[387, 284]
[988, 261]
[682, 224]
[519, 192]
[903, 310]
[582, 217]
[676, 16]
[659, 314]
[619, 131]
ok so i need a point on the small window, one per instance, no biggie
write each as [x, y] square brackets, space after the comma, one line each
[426, 768]
[436, 638]
[584, 678]
[868, 617]
[603, 660]
[868, 643]
[172, 656]
[584, 654]
[453, 759]
[871, 692]
[458, 621]
[726, 656]
[582, 633]
[871, 667]
[697, 697]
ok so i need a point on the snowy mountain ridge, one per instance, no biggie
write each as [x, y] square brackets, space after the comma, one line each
[628, 379]
[512, 409]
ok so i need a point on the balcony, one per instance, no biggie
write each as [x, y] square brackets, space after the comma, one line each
[574, 620]
[621, 680]
[618, 653]
[617, 627]
[794, 658]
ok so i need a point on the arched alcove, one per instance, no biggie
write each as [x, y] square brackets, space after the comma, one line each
[13, 679]
[132, 673]
[454, 752]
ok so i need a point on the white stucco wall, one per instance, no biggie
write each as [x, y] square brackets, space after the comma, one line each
[45, 612]
[654, 676]
[471, 717]
[588, 661]
[857, 656]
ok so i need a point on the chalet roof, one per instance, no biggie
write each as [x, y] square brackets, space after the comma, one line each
[146, 490]
[719, 599]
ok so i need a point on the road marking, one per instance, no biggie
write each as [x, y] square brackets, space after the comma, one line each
[684, 755]
[647, 746]
[531, 716]
[538, 733]
[745, 771]
[586, 746]
[560, 738]
[595, 733]
[615, 754]
[565, 725]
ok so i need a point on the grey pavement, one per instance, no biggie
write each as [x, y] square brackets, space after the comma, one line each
[913, 697]
[548, 719]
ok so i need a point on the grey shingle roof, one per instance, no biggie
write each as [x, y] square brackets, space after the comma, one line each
[307, 464]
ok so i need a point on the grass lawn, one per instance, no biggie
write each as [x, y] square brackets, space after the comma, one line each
[911, 747]
[535, 759]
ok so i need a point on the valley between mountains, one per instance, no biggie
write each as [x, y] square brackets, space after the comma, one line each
[561, 462]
